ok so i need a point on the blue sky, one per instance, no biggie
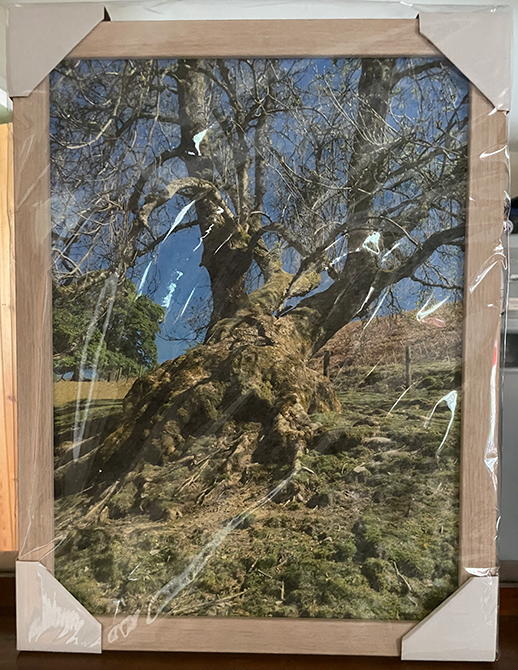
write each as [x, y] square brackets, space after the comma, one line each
[172, 275]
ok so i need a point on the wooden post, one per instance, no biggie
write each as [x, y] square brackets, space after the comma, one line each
[327, 357]
[408, 366]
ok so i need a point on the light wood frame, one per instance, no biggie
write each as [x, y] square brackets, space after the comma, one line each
[478, 515]
[8, 526]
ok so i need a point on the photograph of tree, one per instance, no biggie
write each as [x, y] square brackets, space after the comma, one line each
[258, 270]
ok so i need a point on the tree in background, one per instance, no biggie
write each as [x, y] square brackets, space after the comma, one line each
[127, 348]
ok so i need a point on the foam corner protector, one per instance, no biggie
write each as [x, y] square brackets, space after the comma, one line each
[48, 617]
[479, 45]
[462, 628]
[40, 36]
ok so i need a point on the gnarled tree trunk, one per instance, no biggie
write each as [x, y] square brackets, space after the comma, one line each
[250, 384]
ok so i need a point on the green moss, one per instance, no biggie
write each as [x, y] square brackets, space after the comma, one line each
[378, 543]
[86, 589]
[122, 502]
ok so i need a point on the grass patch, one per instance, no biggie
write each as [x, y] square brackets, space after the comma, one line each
[368, 529]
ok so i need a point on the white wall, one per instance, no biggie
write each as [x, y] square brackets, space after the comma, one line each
[3, 19]
[513, 159]
[4, 102]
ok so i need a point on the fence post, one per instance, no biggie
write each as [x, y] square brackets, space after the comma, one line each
[408, 366]
[327, 358]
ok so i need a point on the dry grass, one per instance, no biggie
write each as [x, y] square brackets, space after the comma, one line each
[384, 340]
[65, 392]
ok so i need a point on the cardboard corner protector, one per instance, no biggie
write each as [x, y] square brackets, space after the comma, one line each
[463, 627]
[48, 617]
[40, 36]
[479, 45]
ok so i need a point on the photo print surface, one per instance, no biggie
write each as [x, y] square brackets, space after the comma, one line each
[258, 270]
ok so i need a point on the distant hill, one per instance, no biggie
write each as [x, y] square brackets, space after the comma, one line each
[384, 340]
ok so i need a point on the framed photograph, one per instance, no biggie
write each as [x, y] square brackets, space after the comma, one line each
[258, 314]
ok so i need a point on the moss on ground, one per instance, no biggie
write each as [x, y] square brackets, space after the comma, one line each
[367, 528]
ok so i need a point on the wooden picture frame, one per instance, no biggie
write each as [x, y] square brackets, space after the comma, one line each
[478, 509]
